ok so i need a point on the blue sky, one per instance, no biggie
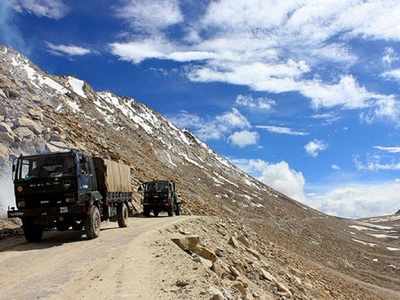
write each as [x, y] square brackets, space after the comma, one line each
[302, 94]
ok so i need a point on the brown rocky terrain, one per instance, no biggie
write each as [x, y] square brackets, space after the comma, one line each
[262, 242]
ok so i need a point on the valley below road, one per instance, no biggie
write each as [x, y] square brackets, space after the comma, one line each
[117, 265]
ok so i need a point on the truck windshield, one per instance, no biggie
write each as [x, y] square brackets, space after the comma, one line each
[157, 187]
[44, 167]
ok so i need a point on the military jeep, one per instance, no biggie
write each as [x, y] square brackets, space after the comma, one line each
[160, 196]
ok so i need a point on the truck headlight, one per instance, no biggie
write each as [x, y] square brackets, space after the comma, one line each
[20, 189]
[21, 204]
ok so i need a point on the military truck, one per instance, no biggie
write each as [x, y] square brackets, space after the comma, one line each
[160, 196]
[69, 189]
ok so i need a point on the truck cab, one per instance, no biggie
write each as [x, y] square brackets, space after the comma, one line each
[160, 196]
[59, 190]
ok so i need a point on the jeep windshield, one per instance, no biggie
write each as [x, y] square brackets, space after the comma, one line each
[157, 187]
[45, 167]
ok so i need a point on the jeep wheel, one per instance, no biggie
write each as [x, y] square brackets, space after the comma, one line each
[33, 232]
[92, 223]
[146, 211]
[123, 215]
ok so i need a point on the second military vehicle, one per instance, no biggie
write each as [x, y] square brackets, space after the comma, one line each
[160, 196]
[69, 189]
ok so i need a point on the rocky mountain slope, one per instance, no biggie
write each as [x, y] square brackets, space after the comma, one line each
[40, 113]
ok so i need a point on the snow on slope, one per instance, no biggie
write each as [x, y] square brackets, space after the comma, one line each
[77, 86]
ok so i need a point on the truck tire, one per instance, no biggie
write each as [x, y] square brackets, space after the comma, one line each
[146, 211]
[178, 210]
[92, 223]
[123, 215]
[156, 212]
[33, 232]
[170, 211]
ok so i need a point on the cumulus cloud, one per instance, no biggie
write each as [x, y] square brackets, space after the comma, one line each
[358, 200]
[67, 50]
[249, 101]
[214, 128]
[244, 138]
[314, 147]
[281, 130]
[150, 15]
[246, 42]
[53, 9]
[335, 167]
[276, 175]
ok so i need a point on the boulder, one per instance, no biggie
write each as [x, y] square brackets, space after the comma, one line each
[7, 137]
[34, 126]
[3, 152]
[5, 127]
[24, 132]
[36, 114]
[2, 94]
[188, 243]
[216, 294]
[267, 276]
[254, 253]
[219, 268]
[233, 242]
[244, 240]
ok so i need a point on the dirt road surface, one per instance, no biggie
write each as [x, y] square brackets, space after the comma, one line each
[117, 265]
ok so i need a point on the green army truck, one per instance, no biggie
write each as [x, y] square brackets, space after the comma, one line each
[69, 190]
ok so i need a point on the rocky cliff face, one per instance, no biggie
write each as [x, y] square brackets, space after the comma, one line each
[44, 113]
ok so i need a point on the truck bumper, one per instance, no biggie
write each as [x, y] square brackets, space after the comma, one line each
[48, 214]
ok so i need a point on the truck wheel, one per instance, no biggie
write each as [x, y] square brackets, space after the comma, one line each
[92, 223]
[77, 226]
[170, 211]
[146, 212]
[33, 232]
[178, 210]
[155, 212]
[123, 215]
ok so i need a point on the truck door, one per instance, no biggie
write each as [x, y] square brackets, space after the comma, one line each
[87, 180]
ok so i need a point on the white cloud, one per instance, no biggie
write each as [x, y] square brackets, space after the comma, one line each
[314, 147]
[358, 200]
[389, 56]
[261, 103]
[327, 118]
[374, 163]
[244, 138]
[392, 75]
[278, 176]
[68, 50]
[150, 15]
[273, 47]
[335, 167]
[53, 9]
[388, 149]
[214, 128]
[281, 130]
[386, 109]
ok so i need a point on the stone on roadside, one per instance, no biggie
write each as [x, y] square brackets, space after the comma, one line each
[244, 240]
[31, 124]
[233, 242]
